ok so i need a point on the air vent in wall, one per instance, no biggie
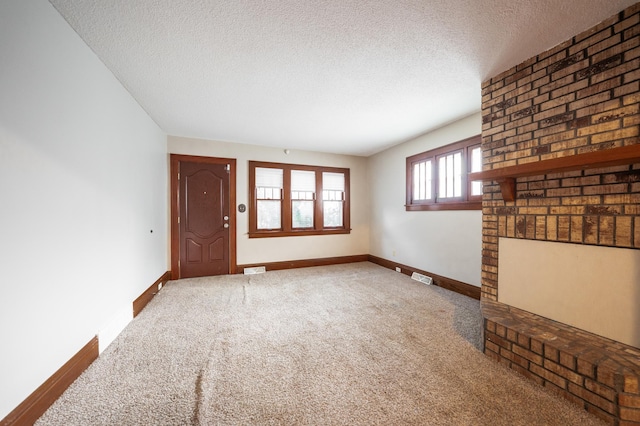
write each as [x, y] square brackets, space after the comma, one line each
[422, 278]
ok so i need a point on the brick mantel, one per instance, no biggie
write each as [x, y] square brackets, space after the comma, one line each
[578, 99]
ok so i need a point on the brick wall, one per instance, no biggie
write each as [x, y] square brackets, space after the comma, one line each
[581, 96]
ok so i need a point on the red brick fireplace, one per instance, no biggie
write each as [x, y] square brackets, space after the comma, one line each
[562, 164]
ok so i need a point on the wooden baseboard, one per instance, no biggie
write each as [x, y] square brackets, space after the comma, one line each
[444, 282]
[292, 264]
[41, 399]
[144, 298]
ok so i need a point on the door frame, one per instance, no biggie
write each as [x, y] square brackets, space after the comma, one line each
[174, 169]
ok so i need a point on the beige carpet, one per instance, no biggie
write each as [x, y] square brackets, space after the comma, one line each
[350, 344]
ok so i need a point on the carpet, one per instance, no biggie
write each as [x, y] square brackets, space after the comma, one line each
[353, 344]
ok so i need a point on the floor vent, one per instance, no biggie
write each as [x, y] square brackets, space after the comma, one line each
[422, 278]
[256, 270]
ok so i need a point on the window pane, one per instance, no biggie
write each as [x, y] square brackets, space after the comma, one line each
[302, 214]
[332, 195]
[332, 212]
[450, 175]
[442, 177]
[269, 184]
[422, 180]
[303, 187]
[333, 186]
[417, 195]
[428, 180]
[266, 193]
[422, 193]
[269, 214]
[476, 187]
[476, 159]
[476, 166]
[457, 174]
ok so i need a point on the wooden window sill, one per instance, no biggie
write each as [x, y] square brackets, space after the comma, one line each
[462, 205]
[270, 234]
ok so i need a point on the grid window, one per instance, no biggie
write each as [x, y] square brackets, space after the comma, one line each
[437, 179]
[285, 200]
[333, 191]
[269, 184]
[303, 195]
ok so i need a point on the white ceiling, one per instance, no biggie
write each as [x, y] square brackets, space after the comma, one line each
[341, 76]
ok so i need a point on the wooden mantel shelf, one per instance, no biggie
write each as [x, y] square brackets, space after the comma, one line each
[506, 176]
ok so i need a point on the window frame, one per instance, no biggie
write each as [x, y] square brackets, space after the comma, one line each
[466, 201]
[286, 229]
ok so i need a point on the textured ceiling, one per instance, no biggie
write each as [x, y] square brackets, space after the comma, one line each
[342, 76]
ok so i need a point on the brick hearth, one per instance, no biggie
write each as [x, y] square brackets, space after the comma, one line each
[599, 374]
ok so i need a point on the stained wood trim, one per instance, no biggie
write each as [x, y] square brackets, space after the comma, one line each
[149, 293]
[604, 158]
[444, 282]
[296, 233]
[507, 188]
[174, 168]
[286, 229]
[305, 263]
[41, 399]
[466, 201]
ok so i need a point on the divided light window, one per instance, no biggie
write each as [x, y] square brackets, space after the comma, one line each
[437, 179]
[290, 199]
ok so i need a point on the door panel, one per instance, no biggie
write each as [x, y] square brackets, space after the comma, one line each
[204, 212]
[216, 250]
[194, 251]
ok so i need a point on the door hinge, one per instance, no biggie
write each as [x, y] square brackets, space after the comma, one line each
[178, 219]
[178, 176]
[228, 168]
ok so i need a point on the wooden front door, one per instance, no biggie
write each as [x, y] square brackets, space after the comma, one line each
[204, 218]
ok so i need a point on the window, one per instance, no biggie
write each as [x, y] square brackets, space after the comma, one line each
[290, 199]
[437, 179]
[269, 184]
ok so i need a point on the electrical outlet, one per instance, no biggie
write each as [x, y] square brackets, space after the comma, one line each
[398, 269]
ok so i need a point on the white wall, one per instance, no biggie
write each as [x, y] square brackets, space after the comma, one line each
[447, 243]
[82, 184]
[256, 250]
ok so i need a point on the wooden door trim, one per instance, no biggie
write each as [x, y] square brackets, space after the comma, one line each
[175, 160]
